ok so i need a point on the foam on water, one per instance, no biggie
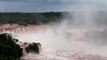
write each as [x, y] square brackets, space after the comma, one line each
[64, 43]
[80, 37]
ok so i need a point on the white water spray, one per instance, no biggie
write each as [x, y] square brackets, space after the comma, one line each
[81, 37]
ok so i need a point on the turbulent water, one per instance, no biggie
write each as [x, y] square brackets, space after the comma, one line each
[64, 43]
[80, 36]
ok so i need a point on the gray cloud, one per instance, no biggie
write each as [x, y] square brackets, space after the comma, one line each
[51, 5]
[28, 6]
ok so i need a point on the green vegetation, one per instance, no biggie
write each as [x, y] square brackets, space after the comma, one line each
[8, 49]
[30, 18]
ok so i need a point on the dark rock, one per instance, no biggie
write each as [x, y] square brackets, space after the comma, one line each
[33, 48]
[8, 49]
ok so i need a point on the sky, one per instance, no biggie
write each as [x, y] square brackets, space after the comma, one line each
[30, 5]
[49, 5]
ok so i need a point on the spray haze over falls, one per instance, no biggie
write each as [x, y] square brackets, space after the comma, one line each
[85, 31]
[81, 32]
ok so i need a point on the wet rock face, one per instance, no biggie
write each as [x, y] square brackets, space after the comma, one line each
[11, 50]
[5, 36]
[8, 48]
[15, 40]
[33, 48]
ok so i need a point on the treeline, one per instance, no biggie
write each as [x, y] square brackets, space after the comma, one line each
[30, 18]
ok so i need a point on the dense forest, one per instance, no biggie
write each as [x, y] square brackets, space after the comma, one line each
[29, 18]
[36, 18]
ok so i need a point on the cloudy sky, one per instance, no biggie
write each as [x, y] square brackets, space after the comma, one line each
[49, 5]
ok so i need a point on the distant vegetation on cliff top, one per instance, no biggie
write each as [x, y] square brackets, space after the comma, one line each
[29, 18]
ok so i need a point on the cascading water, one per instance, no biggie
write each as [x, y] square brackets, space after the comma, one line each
[81, 37]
